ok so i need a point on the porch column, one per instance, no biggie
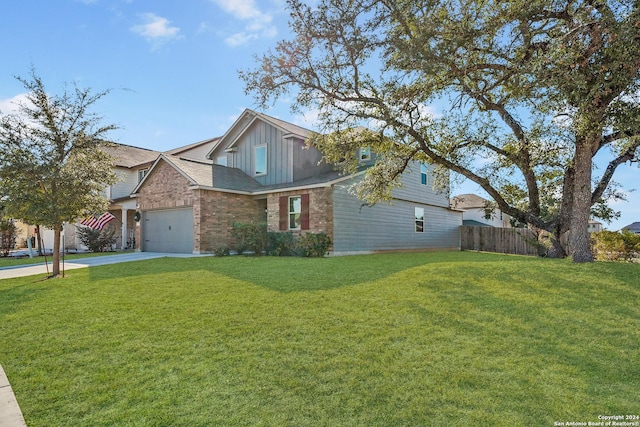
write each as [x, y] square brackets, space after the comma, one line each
[124, 229]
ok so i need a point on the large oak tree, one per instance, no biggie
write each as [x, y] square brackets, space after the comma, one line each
[52, 170]
[534, 90]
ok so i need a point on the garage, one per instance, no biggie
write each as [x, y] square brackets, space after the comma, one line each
[169, 230]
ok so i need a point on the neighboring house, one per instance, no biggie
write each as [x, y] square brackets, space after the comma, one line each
[131, 165]
[476, 211]
[262, 170]
[633, 227]
[594, 226]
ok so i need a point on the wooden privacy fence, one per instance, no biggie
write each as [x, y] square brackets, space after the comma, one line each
[517, 241]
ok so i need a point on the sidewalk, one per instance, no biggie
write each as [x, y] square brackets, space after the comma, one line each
[10, 414]
[34, 269]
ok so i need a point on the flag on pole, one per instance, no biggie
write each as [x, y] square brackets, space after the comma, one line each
[97, 222]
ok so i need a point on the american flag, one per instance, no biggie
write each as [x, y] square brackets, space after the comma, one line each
[97, 222]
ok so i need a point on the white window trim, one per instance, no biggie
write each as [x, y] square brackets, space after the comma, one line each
[415, 219]
[142, 173]
[366, 157]
[255, 160]
[290, 213]
[425, 173]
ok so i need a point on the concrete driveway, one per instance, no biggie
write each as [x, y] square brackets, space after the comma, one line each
[34, 269]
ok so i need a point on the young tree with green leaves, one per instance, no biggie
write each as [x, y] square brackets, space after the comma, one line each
[535, 89]
[52, 170]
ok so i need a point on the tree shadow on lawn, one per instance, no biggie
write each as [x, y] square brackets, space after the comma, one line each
[290, 274]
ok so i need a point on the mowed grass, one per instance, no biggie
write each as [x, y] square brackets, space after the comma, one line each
[420, 339]
[14, 261]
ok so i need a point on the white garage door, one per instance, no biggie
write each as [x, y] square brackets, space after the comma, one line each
[168, 230]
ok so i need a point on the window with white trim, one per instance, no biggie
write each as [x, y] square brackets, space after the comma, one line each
[419, 220]
[295, 213]
[364, 154]
[142, 173]
[260, 160]
[423, 173]
[222, 160]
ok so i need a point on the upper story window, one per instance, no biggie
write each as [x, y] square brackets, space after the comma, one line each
[142, 173]
[419, 218]
[260, 160]
[221, 160]
[364, 154]
[423, 173]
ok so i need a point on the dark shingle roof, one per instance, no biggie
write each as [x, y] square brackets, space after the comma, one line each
[635, 227]
[233, 179]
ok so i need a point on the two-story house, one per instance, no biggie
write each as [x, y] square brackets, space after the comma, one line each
[262, 170]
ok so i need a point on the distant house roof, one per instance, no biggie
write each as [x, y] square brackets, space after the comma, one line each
[633, 227]
[128, 156]
[183, 151]
[468, 201]
[474, 223]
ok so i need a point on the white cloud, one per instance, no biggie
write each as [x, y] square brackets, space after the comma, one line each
[238, 39]
[309, 119]
[258, 23]
[241, 9]
[156, 29]
[10, 106]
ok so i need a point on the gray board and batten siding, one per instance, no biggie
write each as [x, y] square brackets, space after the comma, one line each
[391, 225]
[288, 159]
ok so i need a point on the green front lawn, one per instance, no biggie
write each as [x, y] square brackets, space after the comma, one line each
[421, 339]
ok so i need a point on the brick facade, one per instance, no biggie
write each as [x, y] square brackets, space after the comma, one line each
[320, 210]
[214, 212]
[164, 188]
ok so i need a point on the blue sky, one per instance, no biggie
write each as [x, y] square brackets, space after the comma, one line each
[172, 65]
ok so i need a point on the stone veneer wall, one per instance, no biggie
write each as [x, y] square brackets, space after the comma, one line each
[320, 210]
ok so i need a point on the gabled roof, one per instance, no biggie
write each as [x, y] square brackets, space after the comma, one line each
[196, 172]
[244, 122]
[206, 175]
[128, 156]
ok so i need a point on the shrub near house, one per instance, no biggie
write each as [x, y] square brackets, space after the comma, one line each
[616, 246]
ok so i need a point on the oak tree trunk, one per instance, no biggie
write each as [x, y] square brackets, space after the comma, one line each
[578, 244]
